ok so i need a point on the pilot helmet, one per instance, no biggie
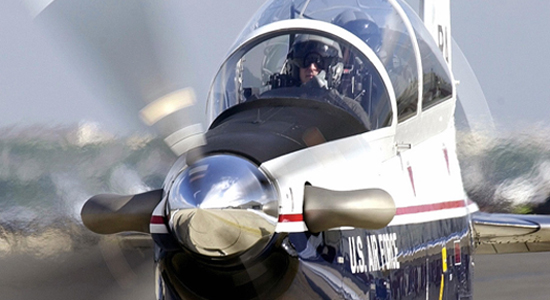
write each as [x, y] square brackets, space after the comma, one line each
[362, 25]
[322, 51]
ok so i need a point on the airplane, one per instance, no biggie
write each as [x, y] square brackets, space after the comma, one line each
[342, 185]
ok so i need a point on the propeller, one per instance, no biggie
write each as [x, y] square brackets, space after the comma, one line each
[472, 108]
[131, 62]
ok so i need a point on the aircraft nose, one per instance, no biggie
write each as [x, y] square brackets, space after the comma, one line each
[222, 205]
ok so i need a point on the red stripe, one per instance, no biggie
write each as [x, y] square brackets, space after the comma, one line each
[458, 257]
[446, 154]
[400, 210]
[291, 218]
[429, 207]
[412, 179]
[157, 220]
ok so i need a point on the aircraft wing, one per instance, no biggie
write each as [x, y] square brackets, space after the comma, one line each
[510, 233]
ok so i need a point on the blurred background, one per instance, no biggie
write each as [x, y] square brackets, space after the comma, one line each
[74, 76]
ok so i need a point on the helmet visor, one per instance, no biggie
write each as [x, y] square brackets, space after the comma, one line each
[312, 58]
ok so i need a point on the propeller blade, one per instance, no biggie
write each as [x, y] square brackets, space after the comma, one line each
[136, 58]
[109, 213]
[325, 209]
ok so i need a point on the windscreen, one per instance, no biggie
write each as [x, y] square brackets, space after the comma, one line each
[303, 65]
[390, 29]
[377, 22]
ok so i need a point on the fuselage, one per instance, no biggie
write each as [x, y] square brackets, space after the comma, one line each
[302, 137]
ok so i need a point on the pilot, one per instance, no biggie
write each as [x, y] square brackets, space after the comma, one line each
[316, 62]
[357, 81]
[362, 25]
[313, 56]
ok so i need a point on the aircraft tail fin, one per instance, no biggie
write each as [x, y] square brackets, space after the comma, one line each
[436, 15]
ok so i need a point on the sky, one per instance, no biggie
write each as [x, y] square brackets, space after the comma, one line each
[506, 42]
[54, 72]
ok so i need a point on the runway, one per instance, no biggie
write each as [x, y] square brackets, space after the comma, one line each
[108, 272]
[512, 276]
[100, 271]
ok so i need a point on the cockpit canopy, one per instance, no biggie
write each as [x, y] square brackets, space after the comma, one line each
[369, 58]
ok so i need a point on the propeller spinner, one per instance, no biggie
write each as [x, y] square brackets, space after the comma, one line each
[222, 205]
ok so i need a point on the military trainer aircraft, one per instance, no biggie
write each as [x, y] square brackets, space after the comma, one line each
[328, 170]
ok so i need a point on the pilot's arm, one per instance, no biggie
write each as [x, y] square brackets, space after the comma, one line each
[356, 108]
[352, 106]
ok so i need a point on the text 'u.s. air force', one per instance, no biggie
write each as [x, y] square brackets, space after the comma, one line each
[373, 253]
